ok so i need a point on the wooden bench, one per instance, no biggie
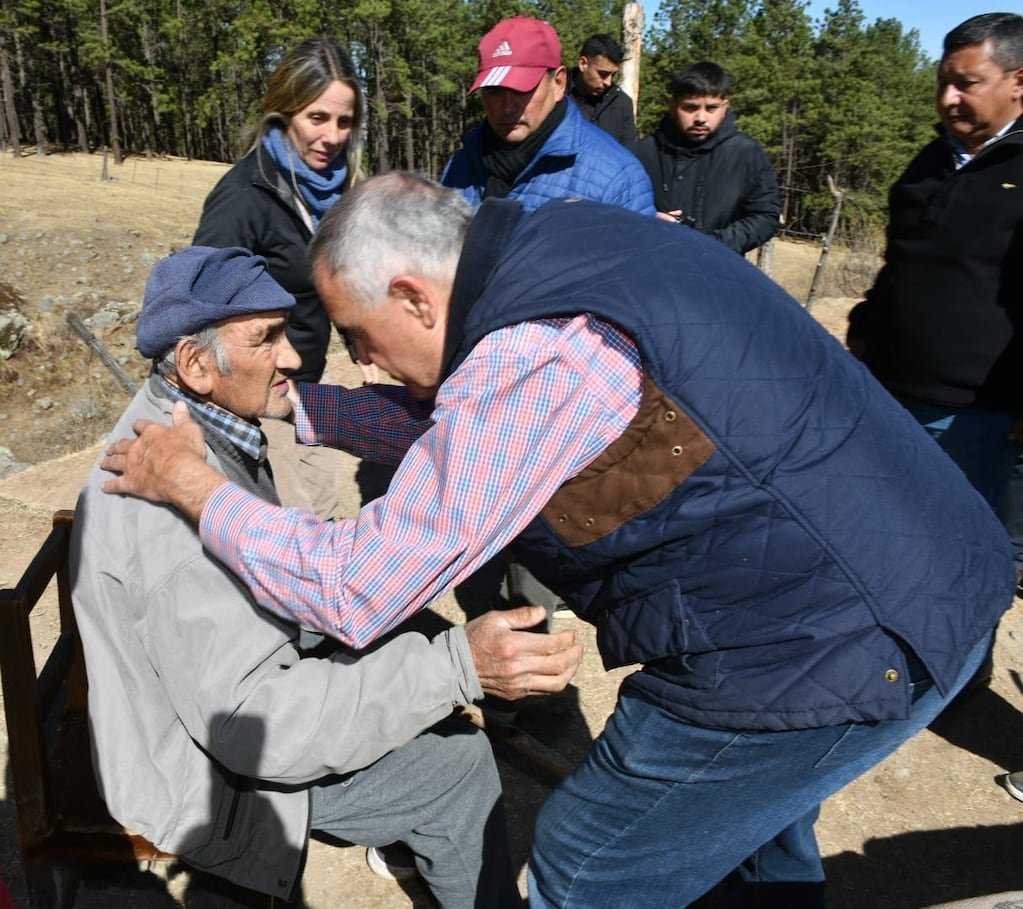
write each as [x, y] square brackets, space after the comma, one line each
[62, 821]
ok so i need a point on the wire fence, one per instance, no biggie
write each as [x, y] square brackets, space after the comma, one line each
[166, 175]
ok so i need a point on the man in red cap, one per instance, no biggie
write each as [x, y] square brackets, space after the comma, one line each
[534, 145]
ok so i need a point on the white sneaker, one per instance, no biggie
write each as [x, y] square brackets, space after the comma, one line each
[1014, 784]
[396, 864]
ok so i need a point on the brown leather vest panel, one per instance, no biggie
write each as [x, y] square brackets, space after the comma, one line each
[660, 448]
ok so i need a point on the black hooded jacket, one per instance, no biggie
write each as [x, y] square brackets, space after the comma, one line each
[943, 322]
[725, 184]
[612, 111]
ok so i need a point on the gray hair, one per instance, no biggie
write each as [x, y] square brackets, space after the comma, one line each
[1003, 30]
[392, 224]
[207, 339]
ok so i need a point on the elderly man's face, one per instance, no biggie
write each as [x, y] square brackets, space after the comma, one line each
[976, 97]
[260, 355]
[515, 116]
[403, 335]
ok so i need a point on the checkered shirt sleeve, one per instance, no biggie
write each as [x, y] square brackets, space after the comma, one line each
[530, 407]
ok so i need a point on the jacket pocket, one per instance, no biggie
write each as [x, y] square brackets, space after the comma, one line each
[651, 625]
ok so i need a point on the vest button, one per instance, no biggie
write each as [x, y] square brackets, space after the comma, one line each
[670, 416]
[562, 518]
[677, 450]
[891, 675]
[590, 522]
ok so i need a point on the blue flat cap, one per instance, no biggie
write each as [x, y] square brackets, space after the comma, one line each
[199, 286]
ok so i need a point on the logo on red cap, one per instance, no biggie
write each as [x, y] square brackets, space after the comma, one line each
[516, 53]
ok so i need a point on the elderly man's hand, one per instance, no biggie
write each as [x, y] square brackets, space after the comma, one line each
[513, 662]
[165, 464]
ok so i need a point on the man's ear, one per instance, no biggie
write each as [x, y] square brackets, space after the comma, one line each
[417, 298]
[193, 367]
[560, 82]
[1017, 83]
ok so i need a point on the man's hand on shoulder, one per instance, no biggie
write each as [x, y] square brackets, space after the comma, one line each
[164, 464]
[513, 661]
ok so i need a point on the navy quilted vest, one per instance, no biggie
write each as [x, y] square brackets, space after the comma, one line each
[774, 531]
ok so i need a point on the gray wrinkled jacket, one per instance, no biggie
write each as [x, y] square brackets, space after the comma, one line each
[207, 723]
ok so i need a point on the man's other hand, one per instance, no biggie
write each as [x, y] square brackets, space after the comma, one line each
[513, 662]
[165, 464]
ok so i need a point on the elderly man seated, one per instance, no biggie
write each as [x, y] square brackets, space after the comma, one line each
[217, 735]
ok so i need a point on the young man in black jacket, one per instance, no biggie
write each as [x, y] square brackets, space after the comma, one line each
[706, 173]
[592, 86]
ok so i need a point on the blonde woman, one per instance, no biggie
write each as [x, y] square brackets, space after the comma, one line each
[298, 160]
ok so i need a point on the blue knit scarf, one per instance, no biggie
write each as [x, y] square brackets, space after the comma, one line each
[319, 188]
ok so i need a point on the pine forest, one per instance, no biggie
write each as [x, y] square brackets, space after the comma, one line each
[838, 96]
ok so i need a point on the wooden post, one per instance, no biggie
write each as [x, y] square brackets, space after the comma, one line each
[818, 274]
[81, 329]
[632, 43]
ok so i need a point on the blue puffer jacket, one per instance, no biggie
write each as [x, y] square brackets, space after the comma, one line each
[773, 532]
[579, 160]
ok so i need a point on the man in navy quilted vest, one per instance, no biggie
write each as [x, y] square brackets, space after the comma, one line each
[800, 577]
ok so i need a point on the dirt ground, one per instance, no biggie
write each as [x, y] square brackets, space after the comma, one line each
[928, 826]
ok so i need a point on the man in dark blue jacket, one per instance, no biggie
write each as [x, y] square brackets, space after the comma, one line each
[802, 579]
[534, 146]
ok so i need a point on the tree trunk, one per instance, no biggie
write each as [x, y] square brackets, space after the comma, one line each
[38, 123]
[410, 135]
[433, 166]
[10, 111]
[115, 130]
[632, 35]
[382, 150]
[71, 73]
[789, 151]
[153, 126]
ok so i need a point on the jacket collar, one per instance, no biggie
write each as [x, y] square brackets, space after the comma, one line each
[1013, 135]
[562, 143]
[594, 104]
[670, 139]
[488, 234]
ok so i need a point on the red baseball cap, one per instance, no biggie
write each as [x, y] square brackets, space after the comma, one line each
[516, 53]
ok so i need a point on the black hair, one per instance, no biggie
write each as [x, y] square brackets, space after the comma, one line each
[602, 46]
[699, 80]
[1003, 30]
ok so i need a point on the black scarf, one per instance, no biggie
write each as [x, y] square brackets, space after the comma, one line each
[504, 161]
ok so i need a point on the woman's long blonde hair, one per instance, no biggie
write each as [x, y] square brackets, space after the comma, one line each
[299, 79]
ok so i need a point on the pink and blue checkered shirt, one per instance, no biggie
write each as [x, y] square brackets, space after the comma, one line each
[528, 409]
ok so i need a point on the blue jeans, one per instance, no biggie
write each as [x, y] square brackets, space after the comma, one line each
[977, 440]
[1012, 512]
[661, 810]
